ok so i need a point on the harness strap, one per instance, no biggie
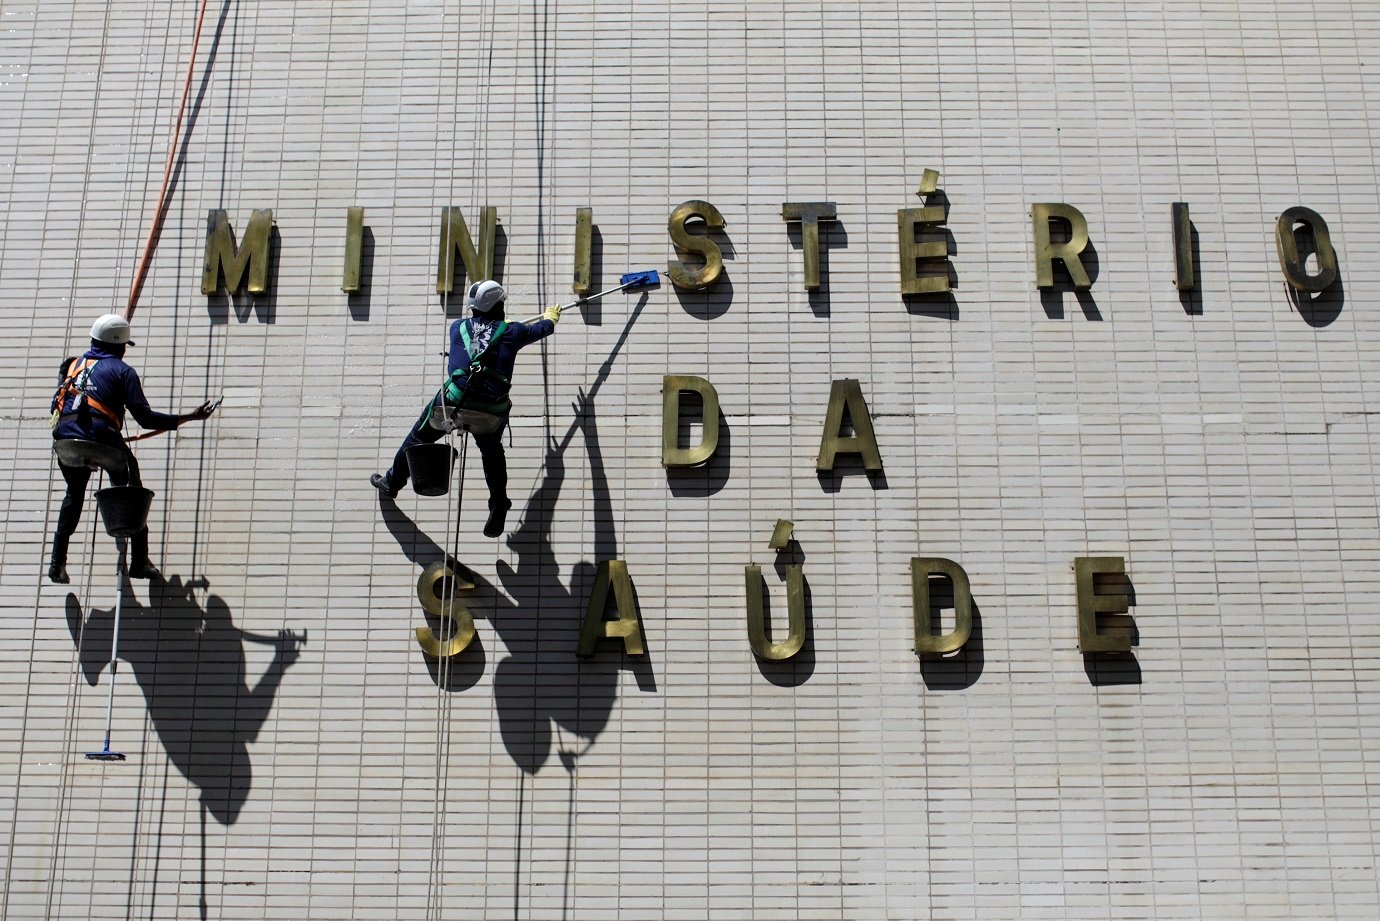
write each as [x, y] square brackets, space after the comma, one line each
[456, 390]
[74, 388]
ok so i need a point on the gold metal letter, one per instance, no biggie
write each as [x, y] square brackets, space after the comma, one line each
[781, 534]
[926, 643]
[438, 590]
[848, 393]
[672, 454]
[584, 242]
[1184, 269]
[354, 248]
[1295, 270]
[708, 250]
[757, 617]
[1091, 603]
[628, 626]
[224, 254]
[455, 238]
[909, 222]
[1046, 252]
[809, 214]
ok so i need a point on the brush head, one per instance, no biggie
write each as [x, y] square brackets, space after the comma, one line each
[106, 755]
[639, 281]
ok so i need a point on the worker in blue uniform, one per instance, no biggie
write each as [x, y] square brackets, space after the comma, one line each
[483, 351]
[94, 392]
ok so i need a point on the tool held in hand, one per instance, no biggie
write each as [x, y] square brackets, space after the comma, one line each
[633, 281]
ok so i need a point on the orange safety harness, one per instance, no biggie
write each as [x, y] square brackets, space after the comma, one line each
[73, 388]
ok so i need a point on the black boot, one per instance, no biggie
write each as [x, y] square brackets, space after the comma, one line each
[498, 514]
[57, 564]
[142, 567]
[380, 482]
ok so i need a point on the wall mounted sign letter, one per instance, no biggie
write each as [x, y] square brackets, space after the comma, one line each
[763, 647]
[685, 241]
[455, 239]
[438, 590]
[584, 245]
[627, 627]
[848, 394]
[1185, 271]
[809, 214]
[1092, 603]
[224, 255]
[1294, 265]
[354, 250]
[672, 454]
[926, 642]
[1046, 252]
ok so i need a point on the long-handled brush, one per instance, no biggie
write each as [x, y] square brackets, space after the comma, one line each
[633, 281]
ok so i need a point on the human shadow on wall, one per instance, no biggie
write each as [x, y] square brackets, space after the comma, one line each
[540, 685]
[189, 660]
[455, 673]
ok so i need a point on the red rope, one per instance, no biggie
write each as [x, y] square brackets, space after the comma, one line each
[161, 211]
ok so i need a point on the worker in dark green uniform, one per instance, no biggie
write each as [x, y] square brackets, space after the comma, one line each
[483, 351]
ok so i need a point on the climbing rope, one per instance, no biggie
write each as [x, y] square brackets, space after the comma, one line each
[174, 143]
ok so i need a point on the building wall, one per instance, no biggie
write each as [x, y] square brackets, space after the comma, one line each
[291, 751]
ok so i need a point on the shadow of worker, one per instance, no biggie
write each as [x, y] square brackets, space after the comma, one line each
[540, 684]
[189, 660]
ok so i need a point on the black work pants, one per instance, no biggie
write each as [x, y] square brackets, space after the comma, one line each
[490, 451]
[77, 478]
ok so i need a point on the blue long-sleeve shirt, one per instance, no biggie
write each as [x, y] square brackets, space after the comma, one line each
[503, 355]
[116, 385]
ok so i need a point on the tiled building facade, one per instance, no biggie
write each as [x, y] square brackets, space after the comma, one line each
[293, 753]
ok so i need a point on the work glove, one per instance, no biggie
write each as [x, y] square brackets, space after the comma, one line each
[553, 313]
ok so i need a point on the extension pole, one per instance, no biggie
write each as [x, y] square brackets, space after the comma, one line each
[633, 281]
[106, 754]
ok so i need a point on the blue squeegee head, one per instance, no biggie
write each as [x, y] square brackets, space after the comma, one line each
[636, 281]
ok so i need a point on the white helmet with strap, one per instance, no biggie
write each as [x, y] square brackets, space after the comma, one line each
[112, 329]
[484, 296]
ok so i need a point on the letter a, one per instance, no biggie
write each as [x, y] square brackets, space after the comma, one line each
[628, 625]
[848, 393]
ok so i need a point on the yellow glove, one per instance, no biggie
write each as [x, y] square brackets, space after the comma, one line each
[553, 313]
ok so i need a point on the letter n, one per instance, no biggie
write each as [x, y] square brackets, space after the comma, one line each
[224, 255]
[455, 239]
[627, 626]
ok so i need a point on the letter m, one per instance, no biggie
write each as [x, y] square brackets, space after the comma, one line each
[223, 254]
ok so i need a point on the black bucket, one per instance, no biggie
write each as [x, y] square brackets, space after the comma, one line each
[430, 468]
[124, 509]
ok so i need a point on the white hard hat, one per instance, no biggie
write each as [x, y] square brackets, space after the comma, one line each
[484, 296]
[112, 329]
